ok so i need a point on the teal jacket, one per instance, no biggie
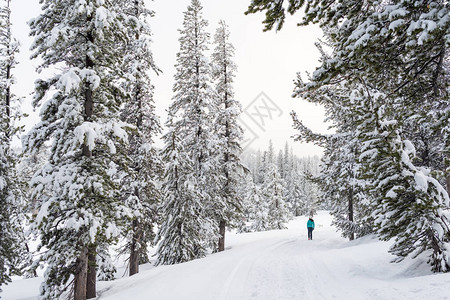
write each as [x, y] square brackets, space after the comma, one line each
[310, 224]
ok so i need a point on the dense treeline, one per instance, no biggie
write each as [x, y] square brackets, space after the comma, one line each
[279, 187]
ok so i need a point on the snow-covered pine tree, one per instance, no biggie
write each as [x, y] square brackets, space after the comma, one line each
[228, 203]
[273, 195]
[307, 184]
[339, 184]
[296, 186]
[27, 167]
[180, 232]
[255, 204]
[77, 191]
[12, 242]
[280, 165]
[192, 176]
[272, 190]
[139, 186]
[288, 177]
[303, 193]
[258, 209]
[407, 202]
[245, 189]
[261, 167]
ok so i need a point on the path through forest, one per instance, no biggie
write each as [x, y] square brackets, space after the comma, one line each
[285, 265]
[279, 265]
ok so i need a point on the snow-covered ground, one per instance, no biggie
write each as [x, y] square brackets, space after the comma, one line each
[278, 265]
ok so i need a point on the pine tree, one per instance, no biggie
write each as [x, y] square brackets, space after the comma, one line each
[182, 224]
[307, 185]
[77, 190]
[407, 201]
[272, 190]
[259, 209]
[27, 167]
[139, 185]
[293, 182]
[228, 205]
[13, 251]
[298, 201]
[246, 190]
[191, 178]
[280, 165]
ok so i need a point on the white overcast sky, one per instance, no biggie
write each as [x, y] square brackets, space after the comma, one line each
[267, 63]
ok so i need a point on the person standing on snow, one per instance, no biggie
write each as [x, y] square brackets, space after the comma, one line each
[310, 226]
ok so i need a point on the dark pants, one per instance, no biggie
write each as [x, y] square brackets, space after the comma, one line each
[310, 230]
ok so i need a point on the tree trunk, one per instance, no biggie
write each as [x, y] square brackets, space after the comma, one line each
[350, 213]
[91, 277]
[91, 287]
[222, 225]
[81, 267]
[8, 70]
[134, 249]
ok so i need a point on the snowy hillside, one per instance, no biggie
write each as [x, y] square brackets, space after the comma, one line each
[276, 265]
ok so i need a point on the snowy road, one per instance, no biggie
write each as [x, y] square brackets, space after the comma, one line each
[267, 265]
[284, 265]
[276, 265]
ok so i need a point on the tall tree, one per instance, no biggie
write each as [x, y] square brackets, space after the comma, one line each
[77, 190]
[139, 186]
[12, 243]
[408, 204]
[259, 209]
[182, 223]
[228, 204]
[273, 194]
[191, 178]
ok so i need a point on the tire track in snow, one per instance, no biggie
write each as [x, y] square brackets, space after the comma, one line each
[237, 283]
[292, 269]
[275, 273]
[324, 282]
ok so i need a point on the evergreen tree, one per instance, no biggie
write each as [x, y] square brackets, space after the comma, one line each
[259, 209]
[273, 195]
[182, 210]
[192, 176]
[272, 192]
[228, 204]
[27, 167]
[12, 243]
[139, 186]
[280, 165]
[292, 179]
[406, 201]
[77, 190]
[246, 190]
[297, 201]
